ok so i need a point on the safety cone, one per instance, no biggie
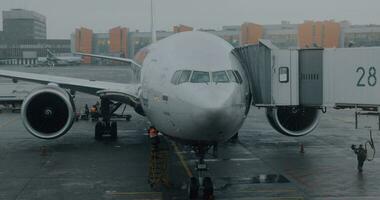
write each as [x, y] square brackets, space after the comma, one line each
[302, 150]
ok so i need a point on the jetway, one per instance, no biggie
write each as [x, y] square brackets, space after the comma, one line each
[318, 78]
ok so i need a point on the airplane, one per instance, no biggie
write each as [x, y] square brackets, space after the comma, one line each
[52, 60]
[190, 86]
[192, 89]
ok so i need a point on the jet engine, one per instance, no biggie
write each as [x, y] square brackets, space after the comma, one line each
[48, 112]
[293, 121]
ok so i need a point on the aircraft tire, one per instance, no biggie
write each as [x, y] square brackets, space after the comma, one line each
[208, 188]
[99, 128]
[113, 130]
[193, 188]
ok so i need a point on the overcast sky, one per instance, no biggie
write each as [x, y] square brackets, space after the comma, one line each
[63, 16]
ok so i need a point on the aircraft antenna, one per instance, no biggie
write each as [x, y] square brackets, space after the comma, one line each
[152, 29]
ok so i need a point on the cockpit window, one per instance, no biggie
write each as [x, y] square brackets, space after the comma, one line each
[185, 76]
[220, 77]
[232, 76]
[240, 80]
[200, 77]
[175, 77]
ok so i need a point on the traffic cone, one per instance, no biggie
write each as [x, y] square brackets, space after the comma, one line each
[302, 150]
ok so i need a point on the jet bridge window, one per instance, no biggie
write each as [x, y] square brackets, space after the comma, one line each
[220, 77]
[284, 74]
[200, 77]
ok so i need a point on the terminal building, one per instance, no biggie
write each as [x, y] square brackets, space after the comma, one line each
[120, 41]
[24, 39]
[20, 24]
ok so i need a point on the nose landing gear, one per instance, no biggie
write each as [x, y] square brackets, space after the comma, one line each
[201, 182]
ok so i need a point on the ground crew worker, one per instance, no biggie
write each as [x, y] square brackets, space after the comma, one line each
[154, 139]
[94, 112]
[361, 154]
[86, 111]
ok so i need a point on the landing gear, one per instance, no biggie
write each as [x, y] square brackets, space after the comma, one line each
[208, 188]
[204, 183]
[106, 126]
[193, 188]
[103, 128]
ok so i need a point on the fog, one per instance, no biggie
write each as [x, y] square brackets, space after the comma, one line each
[65, 15]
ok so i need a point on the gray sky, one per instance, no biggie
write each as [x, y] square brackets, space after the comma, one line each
[63, 16]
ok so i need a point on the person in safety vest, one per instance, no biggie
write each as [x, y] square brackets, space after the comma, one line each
[361, 154]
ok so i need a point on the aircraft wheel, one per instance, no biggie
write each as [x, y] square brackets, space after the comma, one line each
[193, 188]
[99, 129]
[208, 188]
[113, 130]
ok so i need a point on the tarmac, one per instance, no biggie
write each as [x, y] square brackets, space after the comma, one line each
[261, 164]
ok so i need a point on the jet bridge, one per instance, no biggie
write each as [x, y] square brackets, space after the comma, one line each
[336, 77]
[295, 84]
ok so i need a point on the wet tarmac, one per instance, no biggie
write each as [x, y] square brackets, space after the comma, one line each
[261, 164]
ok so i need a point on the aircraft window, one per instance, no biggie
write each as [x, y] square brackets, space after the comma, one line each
[240, 80]
[200, 77]
[220, 77]
[175, 77]
[232, 76]
[185, 76]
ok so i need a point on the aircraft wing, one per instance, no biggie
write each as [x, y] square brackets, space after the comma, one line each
[129, 92]
[127, 60]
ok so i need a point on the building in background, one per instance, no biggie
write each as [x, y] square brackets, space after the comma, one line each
[83, 42]
[100, 43]
[26, 52]
[325, 34]
[360, 35]
[139, 40]
[309, 34]
[250, 33]
[282, 35]
[118, 44]
[20, 24]
[23, 38]
[182, 28]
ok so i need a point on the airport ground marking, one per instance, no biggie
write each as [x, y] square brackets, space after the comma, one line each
[134, 193]
[183, 162]
[9, 122]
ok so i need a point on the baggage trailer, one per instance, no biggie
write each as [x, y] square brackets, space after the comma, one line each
[295, 85]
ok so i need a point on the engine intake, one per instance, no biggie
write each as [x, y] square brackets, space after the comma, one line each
[293, 121]
[48, 112]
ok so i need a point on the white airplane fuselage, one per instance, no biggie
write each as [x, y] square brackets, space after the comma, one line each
[193, 111]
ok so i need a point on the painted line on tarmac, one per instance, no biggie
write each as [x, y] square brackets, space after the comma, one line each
[140, 195]
[134, 193]
[9, 122]
[268, 191]
[183, 162]
[227, 159]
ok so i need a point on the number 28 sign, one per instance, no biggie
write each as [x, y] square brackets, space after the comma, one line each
[367, 77]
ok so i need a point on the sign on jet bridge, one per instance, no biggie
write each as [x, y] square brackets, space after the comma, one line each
[351, 76]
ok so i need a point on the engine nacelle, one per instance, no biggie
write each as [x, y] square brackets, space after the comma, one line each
[293, 121]
[48, 112]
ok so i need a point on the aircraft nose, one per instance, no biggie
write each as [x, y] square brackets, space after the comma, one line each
[216, 112]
